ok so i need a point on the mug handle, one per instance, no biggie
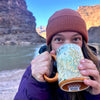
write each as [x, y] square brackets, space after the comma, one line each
[55, 78]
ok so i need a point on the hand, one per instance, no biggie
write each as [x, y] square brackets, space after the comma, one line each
[88, 68]
[41, 65]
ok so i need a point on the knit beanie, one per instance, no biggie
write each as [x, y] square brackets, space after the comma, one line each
[66, 20]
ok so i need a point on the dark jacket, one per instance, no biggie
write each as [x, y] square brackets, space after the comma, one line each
[31, 89]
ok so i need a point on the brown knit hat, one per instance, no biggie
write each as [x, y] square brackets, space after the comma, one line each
[65, 20]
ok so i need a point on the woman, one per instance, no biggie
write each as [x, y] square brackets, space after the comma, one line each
[64, 26]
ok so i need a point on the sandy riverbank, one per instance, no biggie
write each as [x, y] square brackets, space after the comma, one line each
[9, 82]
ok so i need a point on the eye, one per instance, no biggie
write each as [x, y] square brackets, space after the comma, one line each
[58, 39]
[77, 39]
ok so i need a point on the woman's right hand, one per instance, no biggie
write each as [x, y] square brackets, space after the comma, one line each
[41, 65]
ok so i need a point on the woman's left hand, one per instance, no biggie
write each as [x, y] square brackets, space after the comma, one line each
[88, 68]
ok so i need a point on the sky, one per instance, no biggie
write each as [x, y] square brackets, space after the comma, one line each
[43, 9]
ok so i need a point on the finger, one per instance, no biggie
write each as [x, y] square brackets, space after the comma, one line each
[39, 65]
[93, 73]
[39, 77]
[38, 73]
[91, 83]
[94, 84]
[86, 61]
[86, 65]
[42, 57]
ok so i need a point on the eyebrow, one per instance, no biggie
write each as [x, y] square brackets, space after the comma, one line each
[77, 34]
[62, 35]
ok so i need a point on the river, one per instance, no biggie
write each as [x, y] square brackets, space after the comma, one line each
[17, 56]
[14, 59]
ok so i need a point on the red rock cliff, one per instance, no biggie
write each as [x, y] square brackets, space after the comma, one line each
[91, 15]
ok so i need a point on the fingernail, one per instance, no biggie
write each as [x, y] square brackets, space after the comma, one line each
[86, 80]
[80, 66]
[83, 60]
[83, 72]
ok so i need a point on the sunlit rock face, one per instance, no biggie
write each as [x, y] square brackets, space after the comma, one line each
[91, 15]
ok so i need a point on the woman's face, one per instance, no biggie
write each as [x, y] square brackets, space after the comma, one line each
[65, 38]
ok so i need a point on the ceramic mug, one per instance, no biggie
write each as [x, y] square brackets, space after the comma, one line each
[68, 76]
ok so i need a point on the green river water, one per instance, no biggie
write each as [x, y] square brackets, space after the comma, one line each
[17, 56]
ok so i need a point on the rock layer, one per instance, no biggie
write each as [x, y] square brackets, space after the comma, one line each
[91, 15]
[16, 19]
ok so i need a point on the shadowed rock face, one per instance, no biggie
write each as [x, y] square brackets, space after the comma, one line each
[16, 19]
[94, 34]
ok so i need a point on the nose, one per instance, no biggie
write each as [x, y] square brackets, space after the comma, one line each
[67, 42]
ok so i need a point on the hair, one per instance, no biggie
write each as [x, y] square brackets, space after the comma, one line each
[88, 54]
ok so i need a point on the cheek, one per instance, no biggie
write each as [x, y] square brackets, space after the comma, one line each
[80, 44]
[55, 46]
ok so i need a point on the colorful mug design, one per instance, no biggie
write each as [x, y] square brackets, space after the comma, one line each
[69, 78]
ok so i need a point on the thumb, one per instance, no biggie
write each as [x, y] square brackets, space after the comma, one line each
[53, 52]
